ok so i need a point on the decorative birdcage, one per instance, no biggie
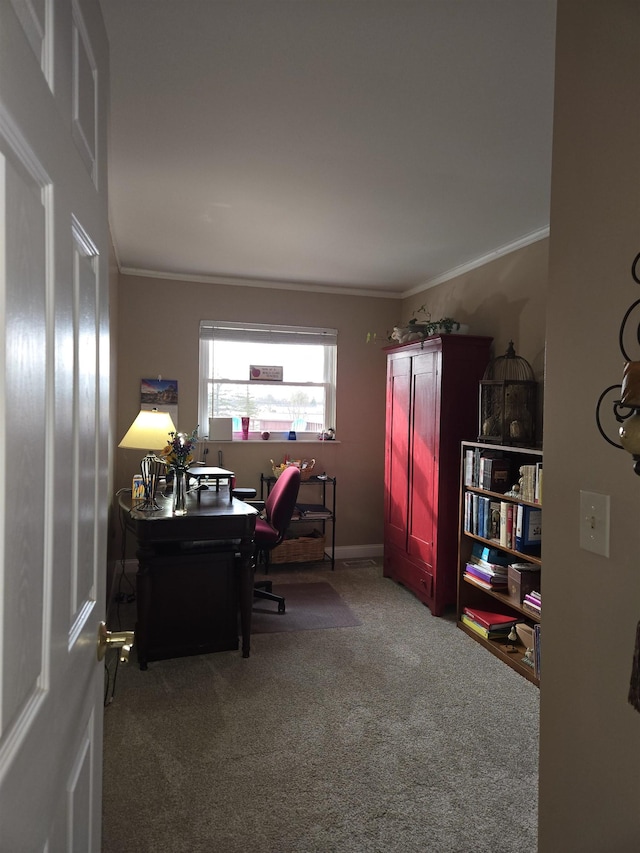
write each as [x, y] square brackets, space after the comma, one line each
[508, 398]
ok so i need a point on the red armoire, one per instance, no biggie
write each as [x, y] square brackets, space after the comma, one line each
[432, 405]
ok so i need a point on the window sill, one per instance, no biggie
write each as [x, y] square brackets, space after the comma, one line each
[258, 440]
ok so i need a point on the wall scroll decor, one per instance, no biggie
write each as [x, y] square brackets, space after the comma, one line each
[624, 398]
[625, 407]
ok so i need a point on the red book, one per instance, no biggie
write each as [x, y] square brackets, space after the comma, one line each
[488, 620]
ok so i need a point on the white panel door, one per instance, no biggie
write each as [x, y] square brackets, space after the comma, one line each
[53, 421]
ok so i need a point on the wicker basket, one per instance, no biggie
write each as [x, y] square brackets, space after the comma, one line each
[306, 468]
[303, 549]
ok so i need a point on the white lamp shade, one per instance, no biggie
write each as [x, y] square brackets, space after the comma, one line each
[149, 431]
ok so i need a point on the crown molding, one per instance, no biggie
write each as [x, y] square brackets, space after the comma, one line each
[270, 284]
[265, 283]
[481, 261]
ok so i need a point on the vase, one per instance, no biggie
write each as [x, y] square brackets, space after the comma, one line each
[179, 491]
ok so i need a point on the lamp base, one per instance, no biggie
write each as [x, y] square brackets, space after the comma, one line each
[150, 467]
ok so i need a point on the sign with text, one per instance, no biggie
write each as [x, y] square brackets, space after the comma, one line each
[262, 373]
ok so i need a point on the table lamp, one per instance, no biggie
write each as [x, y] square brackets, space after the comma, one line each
[150, 431]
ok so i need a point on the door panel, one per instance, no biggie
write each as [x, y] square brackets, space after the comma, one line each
[424, 455]
[54, 386]
[85, 360]
[22, 447]
[397, 451]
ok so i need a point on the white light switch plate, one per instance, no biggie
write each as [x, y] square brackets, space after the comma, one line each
[594, 522]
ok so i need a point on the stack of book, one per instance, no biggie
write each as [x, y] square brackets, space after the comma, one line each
[487, 469]
[491, 626]
[481, 516]
[531, 483]
[311, 511]
[533, 603]
[487, 568]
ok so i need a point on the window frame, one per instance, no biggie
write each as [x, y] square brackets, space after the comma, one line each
[267, 333]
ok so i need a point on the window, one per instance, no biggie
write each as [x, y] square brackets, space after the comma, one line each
[304, 400]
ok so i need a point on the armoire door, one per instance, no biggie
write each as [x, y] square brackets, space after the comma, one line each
[397, 451]
[422, 510]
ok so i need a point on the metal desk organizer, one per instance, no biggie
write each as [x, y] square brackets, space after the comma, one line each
[201, 472]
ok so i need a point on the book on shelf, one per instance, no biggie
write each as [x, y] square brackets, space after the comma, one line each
[537, 658]
[538, 486]
[477, 514]
[485, 529]
[487, 554]
[528, 532]
[313, 511]
[486, 576]
[533, 602]
[494, 513]
[500, 634]
[472, 467]
[490, 620]
[506, 524]
[469, 467]
[530, 482]
[495, 474]
[478, 582]
[493, 569]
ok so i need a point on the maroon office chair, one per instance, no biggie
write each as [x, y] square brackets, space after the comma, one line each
[271, 529]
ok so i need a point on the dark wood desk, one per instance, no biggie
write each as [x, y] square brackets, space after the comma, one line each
[214, 526]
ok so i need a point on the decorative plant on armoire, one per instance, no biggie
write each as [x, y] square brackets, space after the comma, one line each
[421, 326]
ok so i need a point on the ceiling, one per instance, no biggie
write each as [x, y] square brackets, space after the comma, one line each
[359, 146]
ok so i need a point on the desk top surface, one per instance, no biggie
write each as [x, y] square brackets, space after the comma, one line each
[212, 506]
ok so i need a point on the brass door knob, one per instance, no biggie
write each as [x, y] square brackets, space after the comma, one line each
[122, 640]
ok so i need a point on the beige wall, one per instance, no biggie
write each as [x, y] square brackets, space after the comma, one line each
[503, 299]
[173, 311]
[590, 735]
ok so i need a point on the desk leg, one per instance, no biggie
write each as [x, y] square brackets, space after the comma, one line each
[246, 593]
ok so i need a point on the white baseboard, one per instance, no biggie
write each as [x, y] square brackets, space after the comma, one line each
[358, 552]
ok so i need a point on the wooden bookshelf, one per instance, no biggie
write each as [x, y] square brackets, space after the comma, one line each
[475, 595]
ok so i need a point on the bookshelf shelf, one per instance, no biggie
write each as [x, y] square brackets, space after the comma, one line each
[512, 659]
[499, 496]
[289, 553]
[505, 600]
[494, 543]
[476, 595]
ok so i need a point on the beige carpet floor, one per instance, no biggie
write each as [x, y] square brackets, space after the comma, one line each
[397, 735]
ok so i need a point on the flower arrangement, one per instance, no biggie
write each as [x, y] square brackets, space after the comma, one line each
[179, 451]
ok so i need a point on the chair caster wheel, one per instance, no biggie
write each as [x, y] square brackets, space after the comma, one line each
[281, 607]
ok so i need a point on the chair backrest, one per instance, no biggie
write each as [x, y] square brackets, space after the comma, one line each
[282, 499]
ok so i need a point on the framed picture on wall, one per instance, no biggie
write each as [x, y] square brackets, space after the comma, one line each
[161, 394]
